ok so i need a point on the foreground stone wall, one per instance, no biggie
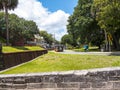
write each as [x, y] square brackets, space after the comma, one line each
[95, 79]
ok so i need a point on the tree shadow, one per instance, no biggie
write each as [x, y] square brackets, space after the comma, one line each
[114, 54]
[21, 48]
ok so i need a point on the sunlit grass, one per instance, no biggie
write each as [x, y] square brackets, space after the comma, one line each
[91, 49]
[63, 62]
[19, 49]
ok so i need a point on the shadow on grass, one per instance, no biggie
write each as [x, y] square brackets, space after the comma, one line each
[94, 49]
[115, 54]
[21, 48]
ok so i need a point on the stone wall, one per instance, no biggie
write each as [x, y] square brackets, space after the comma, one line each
[8, 60]
[95, 79]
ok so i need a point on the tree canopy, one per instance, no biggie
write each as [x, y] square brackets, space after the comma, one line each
[47, 37]
[67, 39]
[108, 17]
[91, 19]
[19, 28]
[82, 24]
[7, 5]
[107, 14]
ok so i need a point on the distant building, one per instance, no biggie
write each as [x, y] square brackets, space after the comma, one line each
[37, 41]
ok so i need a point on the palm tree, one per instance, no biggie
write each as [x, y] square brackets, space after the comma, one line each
[7, 5]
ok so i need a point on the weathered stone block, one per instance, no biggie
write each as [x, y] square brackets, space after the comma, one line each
[7, 80]
[19, 86]
[67, 89]
[34, 79]
[98, 85]
[75, 78]
[116, 85]
[112, 73]
[48, 85]
[118, 72]
[6, 85]
[41, 85]
[33, 86]
[114, 78]
[67, 85]
[85, 84]
[59, 79]
[50, 79]
[19, 81]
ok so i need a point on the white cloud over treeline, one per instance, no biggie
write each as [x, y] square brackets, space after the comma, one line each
[52, 22]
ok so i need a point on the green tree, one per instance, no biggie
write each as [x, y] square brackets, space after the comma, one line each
[67, 39]
[47, 37]
[19, 28]
[108, 17]
[72, 29]
[83, 26]
[2, 28]
[8, 5]
[29, 29]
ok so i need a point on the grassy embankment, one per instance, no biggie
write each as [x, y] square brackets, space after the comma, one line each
[19, 49]
[63, 62]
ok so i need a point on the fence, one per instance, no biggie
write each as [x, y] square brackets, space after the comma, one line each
[8, 60]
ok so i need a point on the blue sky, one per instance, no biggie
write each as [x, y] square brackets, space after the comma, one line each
[65, 5]
[49, 15]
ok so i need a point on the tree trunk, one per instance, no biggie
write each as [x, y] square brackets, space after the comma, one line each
[106, 41]
[109, 46]
[116, 42]
[6, 20]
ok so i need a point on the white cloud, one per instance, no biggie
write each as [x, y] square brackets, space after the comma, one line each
[52, 22]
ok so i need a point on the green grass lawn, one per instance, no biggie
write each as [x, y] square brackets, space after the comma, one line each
[19, 49]
[91, 49]
[63, 62]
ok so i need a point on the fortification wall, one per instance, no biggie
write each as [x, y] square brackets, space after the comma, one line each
[94, 79]
[8, 60]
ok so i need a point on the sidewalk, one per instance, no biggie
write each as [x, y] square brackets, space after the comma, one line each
[90, 53]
